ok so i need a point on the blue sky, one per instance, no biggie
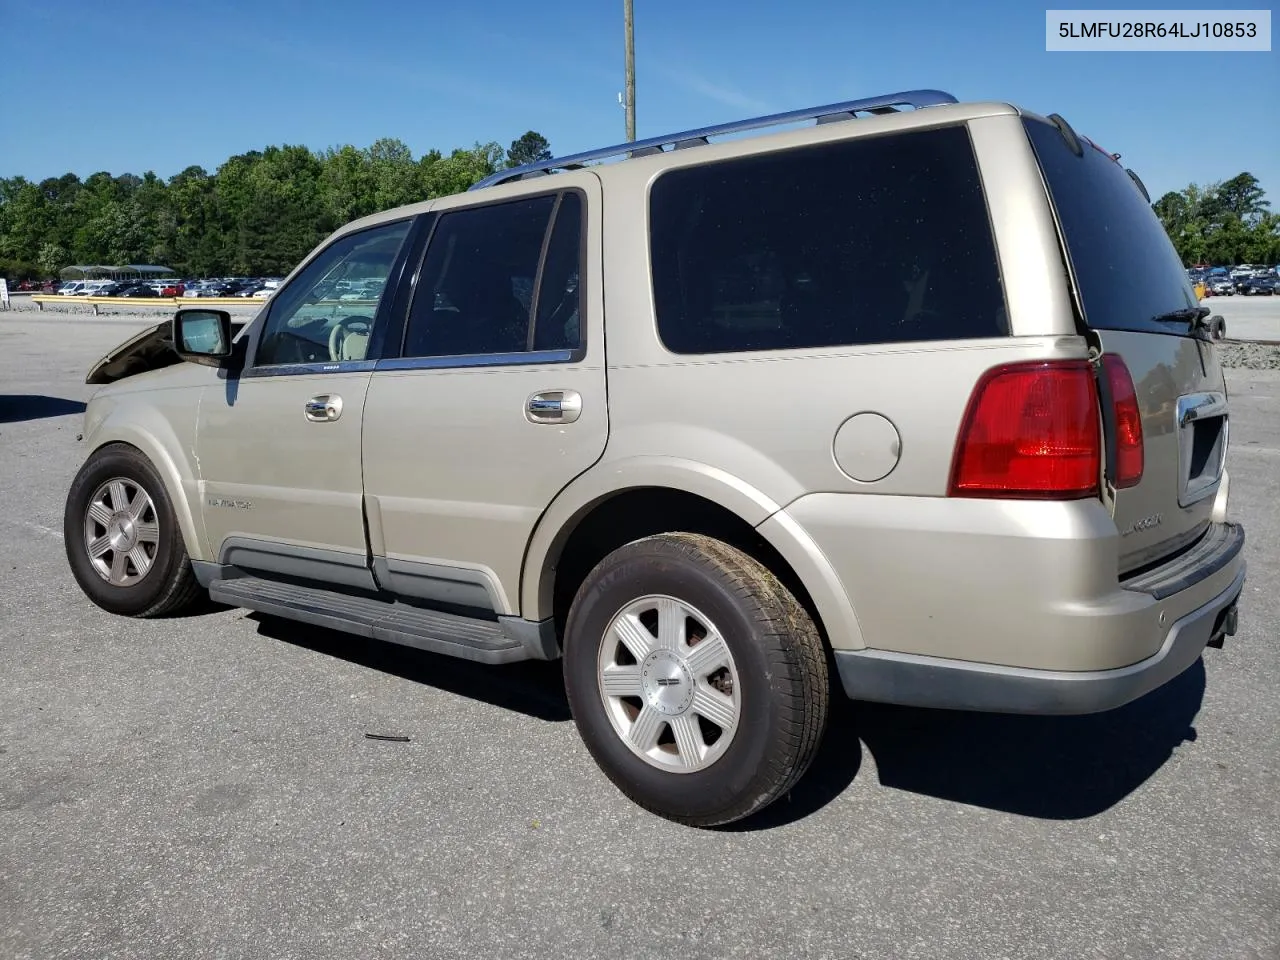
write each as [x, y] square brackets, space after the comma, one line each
[142, 85]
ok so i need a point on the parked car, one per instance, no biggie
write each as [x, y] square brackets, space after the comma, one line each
[1221, 286]
[1260, 284]
[968, 485]
[139, 290]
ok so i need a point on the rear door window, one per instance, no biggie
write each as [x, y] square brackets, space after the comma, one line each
[1127, 272]
[874, 240]
[500, 279]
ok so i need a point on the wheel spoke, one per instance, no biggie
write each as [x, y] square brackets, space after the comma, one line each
[118, 567]
[99, 513]
[99, 546]
[621, 681]
[713, 706]
[710, 654]
[645, 698]
[148, 531]
[141, 562]
[633, 635]
[688, 739]
[139, 505]
[119, 496]
[671, 624]
[646, 729]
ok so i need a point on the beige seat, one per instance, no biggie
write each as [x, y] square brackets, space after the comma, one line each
[354, 345]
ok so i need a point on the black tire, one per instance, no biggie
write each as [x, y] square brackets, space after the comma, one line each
[779, 657]
[169, 586]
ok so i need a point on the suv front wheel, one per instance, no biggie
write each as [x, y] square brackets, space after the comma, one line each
[695, 678]
[122, 538]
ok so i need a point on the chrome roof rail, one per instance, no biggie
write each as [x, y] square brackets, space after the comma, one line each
[827, 113]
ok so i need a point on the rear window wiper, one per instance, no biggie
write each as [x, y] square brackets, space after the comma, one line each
[1191, 315]
[1199, 322]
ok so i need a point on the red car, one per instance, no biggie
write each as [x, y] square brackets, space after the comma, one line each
[172, 290]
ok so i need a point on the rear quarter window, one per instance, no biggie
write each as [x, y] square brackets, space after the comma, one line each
[873, 240]
[1126, 270]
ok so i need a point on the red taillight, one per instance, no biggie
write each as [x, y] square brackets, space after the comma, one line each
[1031, 431]
[1129, 458]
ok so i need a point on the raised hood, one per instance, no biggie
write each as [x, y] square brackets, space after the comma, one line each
[149, 349]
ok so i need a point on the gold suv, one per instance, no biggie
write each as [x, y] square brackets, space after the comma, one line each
[916, 397]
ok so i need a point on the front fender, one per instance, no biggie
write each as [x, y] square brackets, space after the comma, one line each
[614, 477]
[165, 433]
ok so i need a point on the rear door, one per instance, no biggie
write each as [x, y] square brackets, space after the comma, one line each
[1133, 291]
[496, 399]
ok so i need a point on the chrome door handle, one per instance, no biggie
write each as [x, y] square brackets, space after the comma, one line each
[554, 406]
[323, 409]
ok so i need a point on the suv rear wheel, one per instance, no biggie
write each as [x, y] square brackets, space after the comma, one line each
[695, 678]
[122, 538]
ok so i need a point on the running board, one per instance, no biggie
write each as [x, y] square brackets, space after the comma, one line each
[470, 639]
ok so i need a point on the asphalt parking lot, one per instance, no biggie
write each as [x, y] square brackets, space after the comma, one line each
[203, 787]
[1248, 318]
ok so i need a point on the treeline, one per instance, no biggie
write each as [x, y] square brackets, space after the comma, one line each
[258, 214]
[1222, 224]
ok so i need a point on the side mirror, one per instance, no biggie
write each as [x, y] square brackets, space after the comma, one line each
[202, 336]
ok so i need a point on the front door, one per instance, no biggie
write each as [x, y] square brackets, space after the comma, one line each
[497, 400]
[279, 445]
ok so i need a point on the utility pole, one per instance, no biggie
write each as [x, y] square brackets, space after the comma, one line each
[630, 95]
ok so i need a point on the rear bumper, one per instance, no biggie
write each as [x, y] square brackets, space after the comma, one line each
[925, 681]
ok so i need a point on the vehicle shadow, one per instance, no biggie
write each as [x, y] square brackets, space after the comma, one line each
[531, 687]
[1050, 768]
[15, 408]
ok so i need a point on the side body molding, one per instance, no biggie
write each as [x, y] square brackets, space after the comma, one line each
[688, 476]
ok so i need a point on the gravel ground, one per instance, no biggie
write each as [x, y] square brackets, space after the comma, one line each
[1250, 356]
[202, 787]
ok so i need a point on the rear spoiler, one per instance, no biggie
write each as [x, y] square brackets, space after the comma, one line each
[1076, 141]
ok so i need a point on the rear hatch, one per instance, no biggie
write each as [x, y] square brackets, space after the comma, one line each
[1133, 293]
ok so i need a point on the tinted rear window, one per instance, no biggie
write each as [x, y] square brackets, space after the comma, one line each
[875, 240]
[1126, 269]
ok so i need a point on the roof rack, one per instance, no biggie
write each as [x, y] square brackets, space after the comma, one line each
[828, 113]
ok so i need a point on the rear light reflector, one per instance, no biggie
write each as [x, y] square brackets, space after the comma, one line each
[1129, 453]
[1031, 432]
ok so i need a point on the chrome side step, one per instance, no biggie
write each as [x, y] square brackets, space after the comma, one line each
[484, 641]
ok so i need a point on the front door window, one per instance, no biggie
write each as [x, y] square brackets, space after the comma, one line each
[326, 314]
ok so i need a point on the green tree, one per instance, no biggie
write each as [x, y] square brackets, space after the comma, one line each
[52, 258]
[1174, 210]
[457, 172]
[1243, 197]
[1223, 223]
[530, 147]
